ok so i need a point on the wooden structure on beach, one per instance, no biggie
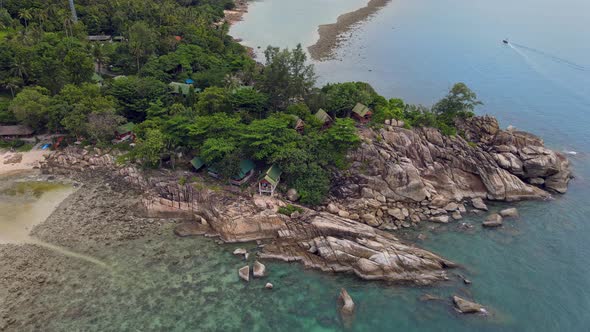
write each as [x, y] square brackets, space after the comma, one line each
[17, 131]
[362, 113]
[197, 163]
[245, 172]
[269, 180]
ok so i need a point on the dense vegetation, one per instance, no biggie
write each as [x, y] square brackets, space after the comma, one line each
[58, 81]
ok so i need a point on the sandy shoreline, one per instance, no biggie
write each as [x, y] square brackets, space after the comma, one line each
[329, 33]
[12, 163]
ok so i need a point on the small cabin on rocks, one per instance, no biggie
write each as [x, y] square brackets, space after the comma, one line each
[125, 132]
[197, 163]
[246, 171]
[244, 174]
[299, 125]
[324, 118]
[362, 113]
[17, 131]
[269, 180]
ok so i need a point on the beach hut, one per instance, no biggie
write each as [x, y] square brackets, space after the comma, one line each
[18, 131]
[324, 118]
[197, 163]
[246, 171]
[99, 38]
[178, 88]
[268, 182]
[362, 113]
[298, 125]
[125, 131]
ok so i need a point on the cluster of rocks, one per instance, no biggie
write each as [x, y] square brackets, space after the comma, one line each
[400, 177]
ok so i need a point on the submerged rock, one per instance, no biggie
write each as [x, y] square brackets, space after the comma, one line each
[244, 273]
[509, 213]
[258, 270]
[467, 307]
[240, 252]
[493, 220]
[479, 204]
[191, 229]
[346, 306]
[268, 285]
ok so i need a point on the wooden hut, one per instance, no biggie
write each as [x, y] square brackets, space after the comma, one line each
[299, 125]
[177, 88]
[99, 38]
[125, 131]
[17, 131]
[246, 171]
[362, 113]
[268, 182]
[197, 163]
[324, 118]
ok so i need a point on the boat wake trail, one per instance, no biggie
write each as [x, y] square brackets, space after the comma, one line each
[557, 59]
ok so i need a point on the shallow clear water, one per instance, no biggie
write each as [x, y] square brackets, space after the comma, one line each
[26, 203]
[533, 274]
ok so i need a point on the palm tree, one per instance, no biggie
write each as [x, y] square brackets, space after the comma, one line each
[25, 15]
[100, 56]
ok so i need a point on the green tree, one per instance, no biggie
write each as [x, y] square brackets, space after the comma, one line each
[249, 100]
[135, 95]
[149, 149]
[287, 77]
[30, 107]
[26, 15]
[459, 102]
[79, 66]
[342, 97]
[141, 42]
[213, 100]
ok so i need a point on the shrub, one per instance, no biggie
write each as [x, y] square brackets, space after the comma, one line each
[289, 209]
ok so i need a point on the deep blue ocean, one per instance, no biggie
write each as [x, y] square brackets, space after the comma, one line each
[533, 274]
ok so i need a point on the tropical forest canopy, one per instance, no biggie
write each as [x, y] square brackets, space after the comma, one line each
[54, 79]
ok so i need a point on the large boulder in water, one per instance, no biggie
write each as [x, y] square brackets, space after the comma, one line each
[258, 270]
[346, 307]
[509, 213]
[467, 307]
[493, 220]
[244, 273]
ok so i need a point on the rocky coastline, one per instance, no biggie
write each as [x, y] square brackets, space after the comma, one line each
[399, 178]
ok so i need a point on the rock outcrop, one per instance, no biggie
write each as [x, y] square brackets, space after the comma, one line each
[426, 174]
[258, 270]
[335, 244]
[493, 220]
[345, 303]
[244, 273]
[467, 307]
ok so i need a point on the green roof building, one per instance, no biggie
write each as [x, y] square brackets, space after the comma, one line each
[324, 117]
[179, 88]
[197, 163]
[362, 113]
[269, 180]
[246, 170]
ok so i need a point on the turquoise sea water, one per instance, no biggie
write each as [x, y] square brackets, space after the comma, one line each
[533, 274]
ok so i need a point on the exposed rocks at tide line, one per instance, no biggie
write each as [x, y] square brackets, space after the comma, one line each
[398, 178]
[401, 177]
